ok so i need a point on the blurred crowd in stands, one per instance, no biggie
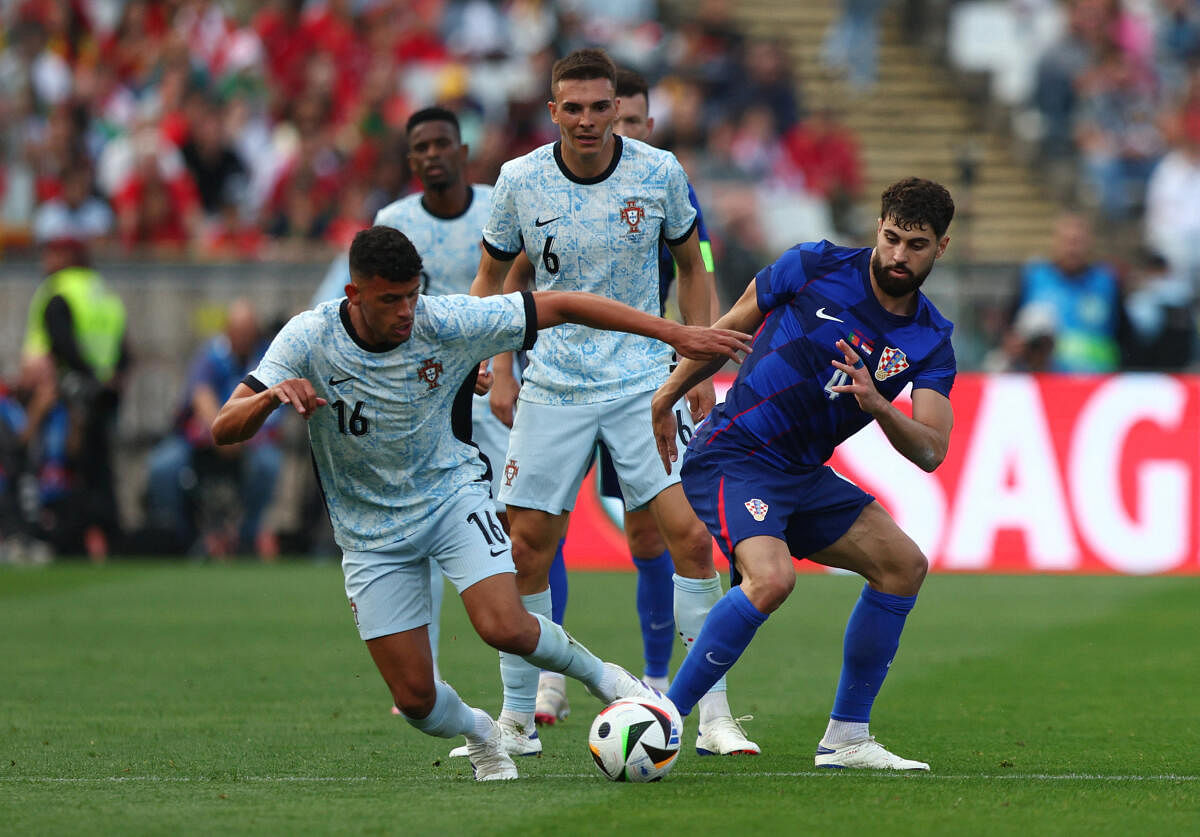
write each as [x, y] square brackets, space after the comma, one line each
[239, 130]
[244, 131]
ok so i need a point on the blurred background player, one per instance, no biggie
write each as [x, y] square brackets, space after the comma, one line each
[75, 353]
[445, 223]
[843, 332]
[186, 463]
[651, 558]
[582, 385]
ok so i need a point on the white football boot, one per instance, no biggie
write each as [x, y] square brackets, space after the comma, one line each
[618, 684]
[724, 736]
[514, 739]
[489, 761]
[552, 705]
[864, 753]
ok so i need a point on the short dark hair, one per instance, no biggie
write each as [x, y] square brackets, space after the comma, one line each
[385, 252]
[914, 201]
[582, 64]
[433, 114]
[631, 83]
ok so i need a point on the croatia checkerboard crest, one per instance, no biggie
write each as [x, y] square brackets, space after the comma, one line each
[757, 509]
[891, 362]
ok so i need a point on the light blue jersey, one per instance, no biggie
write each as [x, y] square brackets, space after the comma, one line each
[449, 247]
[389, 448]
[599, 235]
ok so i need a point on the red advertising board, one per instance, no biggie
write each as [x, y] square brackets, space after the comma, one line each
[1046, 473]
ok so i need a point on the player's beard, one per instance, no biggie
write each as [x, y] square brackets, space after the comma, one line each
[892, 286]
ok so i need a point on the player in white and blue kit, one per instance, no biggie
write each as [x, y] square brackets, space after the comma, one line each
[384, 378]
[589, 212]
[839, 333]
[444, 223]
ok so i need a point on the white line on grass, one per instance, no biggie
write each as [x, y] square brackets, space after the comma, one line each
[1026, 777]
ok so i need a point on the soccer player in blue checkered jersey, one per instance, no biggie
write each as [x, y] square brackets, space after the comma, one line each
[589, 211]
[840, 333]
[384, 379]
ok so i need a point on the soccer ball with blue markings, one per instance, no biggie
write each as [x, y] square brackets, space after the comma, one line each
[636, 740]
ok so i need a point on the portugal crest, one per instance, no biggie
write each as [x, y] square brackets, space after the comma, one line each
[891, 362]
[430, 371]
[510, 471]
[632, 214]
[757, 509]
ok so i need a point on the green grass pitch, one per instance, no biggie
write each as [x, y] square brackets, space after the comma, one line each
[155, 699]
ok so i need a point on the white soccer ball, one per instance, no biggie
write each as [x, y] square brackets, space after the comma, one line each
[636, 740]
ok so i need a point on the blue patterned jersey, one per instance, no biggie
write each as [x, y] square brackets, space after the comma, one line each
[600, 235]
[781, 407]
[390, 447]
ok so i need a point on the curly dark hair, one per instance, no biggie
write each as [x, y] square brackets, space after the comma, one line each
[914, 201]
[582, 65]
[385, 252]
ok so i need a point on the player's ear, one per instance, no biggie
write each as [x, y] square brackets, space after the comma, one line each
[942, 245]
[649, 125]
[553, 106]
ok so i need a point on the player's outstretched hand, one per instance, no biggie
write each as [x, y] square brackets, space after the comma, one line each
[300, 394]
[662, 418]
[860, 385]
[701, 343]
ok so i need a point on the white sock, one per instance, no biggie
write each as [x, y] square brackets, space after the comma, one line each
[519, 677]
[553, 679]
[558, 651]
[694, 598]
[713, 704]
[483, 726]
[840, 733]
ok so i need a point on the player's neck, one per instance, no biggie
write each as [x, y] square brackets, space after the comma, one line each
[450, 202]
[589, 165]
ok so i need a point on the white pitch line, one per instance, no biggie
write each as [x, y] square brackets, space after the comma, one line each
[1027, 777]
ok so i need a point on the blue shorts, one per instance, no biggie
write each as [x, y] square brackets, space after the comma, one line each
[739, 497]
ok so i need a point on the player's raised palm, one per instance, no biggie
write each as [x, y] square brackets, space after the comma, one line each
[701, 343]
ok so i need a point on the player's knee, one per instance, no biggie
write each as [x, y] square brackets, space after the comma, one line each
[692, 552]
[906, 571]
[771, 588]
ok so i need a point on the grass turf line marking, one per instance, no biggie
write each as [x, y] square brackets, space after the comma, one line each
[827, 772]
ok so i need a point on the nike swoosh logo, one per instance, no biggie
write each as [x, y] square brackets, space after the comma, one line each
[655, 626]
[709, 656]
[496, 553]
[334, 383]
[821, 313]
[540, 223]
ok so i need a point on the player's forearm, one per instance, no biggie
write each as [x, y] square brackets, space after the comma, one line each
[557, 307]
[697, 296]
[242, 417]
[688, 373]
[920, 444]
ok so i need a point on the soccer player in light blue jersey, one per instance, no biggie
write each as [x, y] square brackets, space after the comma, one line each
[384, 378]
[651, 559]
[840, 332]
[444, 223]
[589, 211]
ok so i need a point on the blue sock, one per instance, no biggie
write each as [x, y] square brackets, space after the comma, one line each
[558, 586]
[872, 637]
[727, 631]
[656, 611]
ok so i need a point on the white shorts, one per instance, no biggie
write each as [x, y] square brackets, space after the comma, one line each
[490, 434]
[388, 588]
[551, 448]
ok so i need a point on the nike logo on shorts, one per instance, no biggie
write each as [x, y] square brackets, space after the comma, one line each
[821, 313]
[496, 553]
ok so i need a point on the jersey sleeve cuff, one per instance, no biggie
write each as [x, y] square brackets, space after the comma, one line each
[255, 384]
[675, 242]
[531, 321]
[498, 254]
